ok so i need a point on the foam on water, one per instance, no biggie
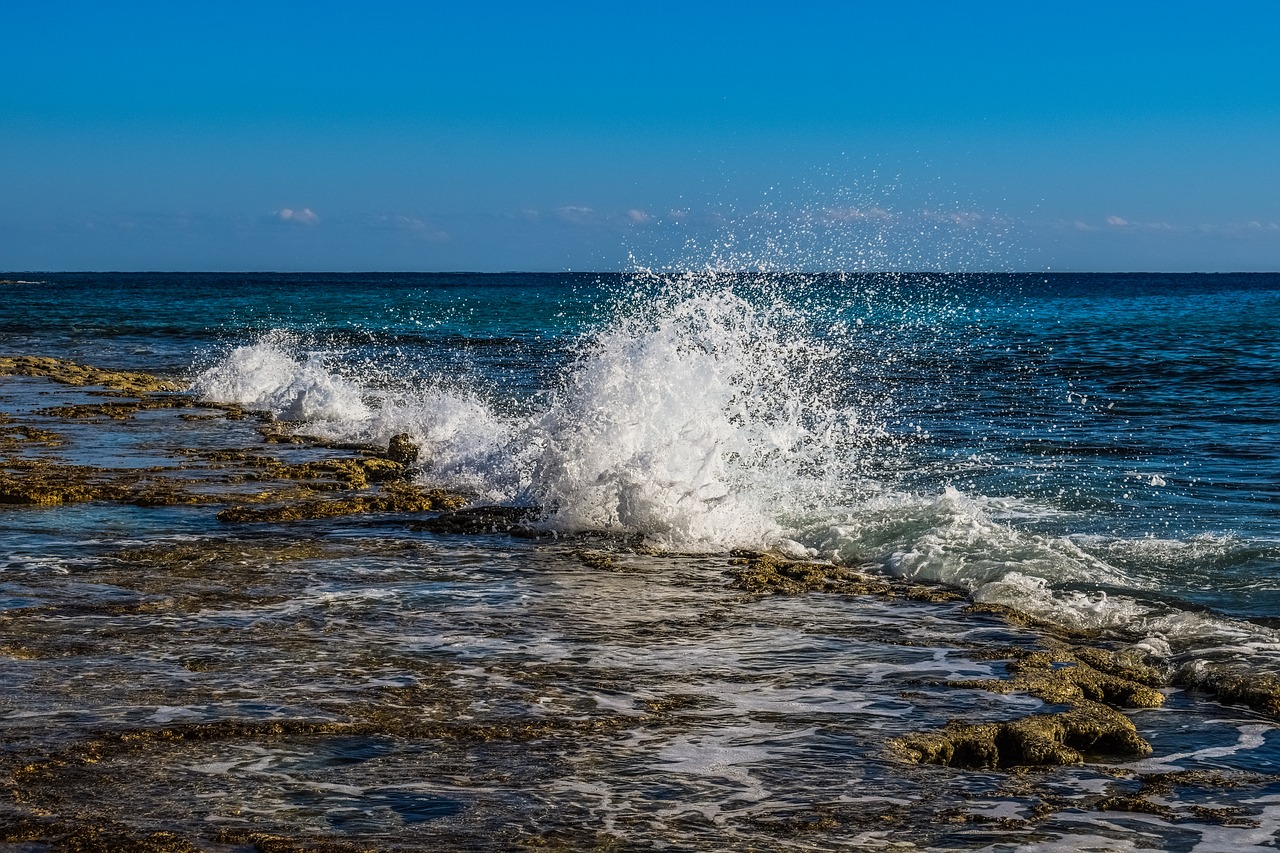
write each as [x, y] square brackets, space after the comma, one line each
[706, 415]
[292, 386]
[698, 425]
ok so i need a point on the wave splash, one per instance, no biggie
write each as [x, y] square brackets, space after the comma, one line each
[707, 414]
[699, 422]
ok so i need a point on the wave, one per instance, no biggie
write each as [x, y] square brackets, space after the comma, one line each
[709, 413]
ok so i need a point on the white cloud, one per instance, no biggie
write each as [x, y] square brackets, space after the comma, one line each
[639, 217]
[1117, 222]
[302, 216]
[575, 214]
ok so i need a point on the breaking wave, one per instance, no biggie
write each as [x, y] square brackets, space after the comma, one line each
[711, 413]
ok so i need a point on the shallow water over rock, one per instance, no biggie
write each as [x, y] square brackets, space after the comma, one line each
[372, 680]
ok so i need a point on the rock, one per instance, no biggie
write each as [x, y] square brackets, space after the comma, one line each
[71, 373]
[761, 572]
[1062, 677]
[402, 449]
[402, 498]
[1258, 691]
[1041, 739]
[482, 519]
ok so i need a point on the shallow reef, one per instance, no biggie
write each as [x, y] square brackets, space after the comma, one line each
[240, 479]
[321, 654]
[72, 373]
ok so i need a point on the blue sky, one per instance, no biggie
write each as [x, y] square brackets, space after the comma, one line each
[494, 136]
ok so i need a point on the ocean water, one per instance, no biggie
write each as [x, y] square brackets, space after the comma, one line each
[1100, 452]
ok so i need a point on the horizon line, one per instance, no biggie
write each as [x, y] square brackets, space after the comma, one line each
[617, 272]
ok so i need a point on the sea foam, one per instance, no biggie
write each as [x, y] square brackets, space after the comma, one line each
[707, 416]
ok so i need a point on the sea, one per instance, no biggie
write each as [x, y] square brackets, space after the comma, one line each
[1089, 455]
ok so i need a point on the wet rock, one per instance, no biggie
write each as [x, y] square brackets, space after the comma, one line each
[24, 436]
[1090, 729]
[1062, 677]
[594, 559]
[403, 498]
[402, 449]
[1122, 664]
[116, 410]
[357, 473]
[41, 482]
[340, 473]
[761, 572]
[1259, 692]
[107, 837]
[48, 488]
[73, 373]
[482, 519]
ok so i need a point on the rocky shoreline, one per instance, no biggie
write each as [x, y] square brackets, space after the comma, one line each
[1086, 686]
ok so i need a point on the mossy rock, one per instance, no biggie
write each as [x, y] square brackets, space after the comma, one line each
[1090, 729]
[1259, 692]
[404, 498]
[763, 572]
[1063, 678]
[73, 373]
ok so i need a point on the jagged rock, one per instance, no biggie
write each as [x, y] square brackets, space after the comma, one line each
[1090, 728]
[482, 519]
[72, 373]
[402, 449]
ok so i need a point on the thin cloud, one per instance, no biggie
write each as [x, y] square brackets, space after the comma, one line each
[301, 216]
[576, 215]
[411, 225]
[1117, 222]
[639, 217]
[963, 218]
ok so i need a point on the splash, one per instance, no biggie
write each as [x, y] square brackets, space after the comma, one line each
[270, 375]
[699, 419]
[700, 423]
[712, 411]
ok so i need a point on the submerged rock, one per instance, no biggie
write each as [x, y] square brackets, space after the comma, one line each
[119, 410]
[483, 519]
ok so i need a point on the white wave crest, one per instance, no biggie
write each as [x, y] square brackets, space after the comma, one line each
[265, 376]
[704, 421]
[696, 425]
[695, 428]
